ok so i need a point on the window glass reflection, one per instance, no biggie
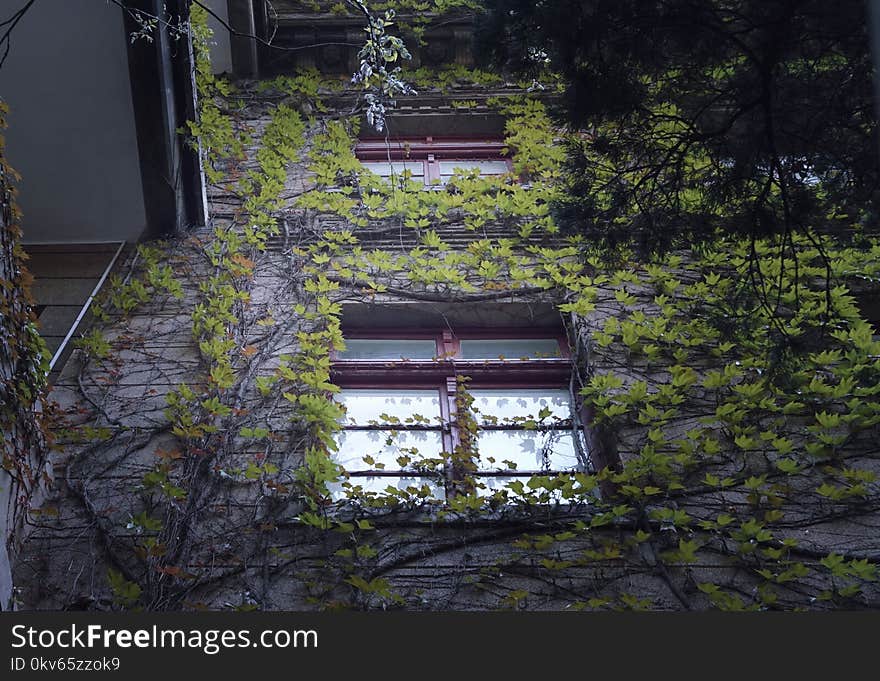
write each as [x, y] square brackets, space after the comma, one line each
[363, 405]
[526, 450]
[510, 348]
[500, 406]
[376, 348]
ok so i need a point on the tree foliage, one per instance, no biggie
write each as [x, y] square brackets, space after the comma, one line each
[743, 116]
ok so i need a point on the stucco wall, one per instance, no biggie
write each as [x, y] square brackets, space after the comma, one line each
[71, 125]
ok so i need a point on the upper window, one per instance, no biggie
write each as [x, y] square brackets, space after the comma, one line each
[432, 161]
[429, 415]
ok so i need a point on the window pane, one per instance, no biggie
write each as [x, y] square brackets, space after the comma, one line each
[448, 168]
[363, 348]
[500, 406]
[386, 169]
[488, 485]
[365, 405]
[510, 348]
[386, 447]
[527, 450]
[378, 484]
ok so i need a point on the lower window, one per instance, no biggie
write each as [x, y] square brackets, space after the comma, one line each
[430, 417]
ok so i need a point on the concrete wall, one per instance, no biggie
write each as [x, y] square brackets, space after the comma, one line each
[71, 124]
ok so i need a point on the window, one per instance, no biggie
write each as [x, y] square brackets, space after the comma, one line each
[419, 403]
[432, 161]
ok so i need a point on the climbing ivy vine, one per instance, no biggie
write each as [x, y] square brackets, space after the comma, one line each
[24, 363]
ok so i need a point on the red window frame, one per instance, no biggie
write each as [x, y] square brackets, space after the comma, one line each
[442, 373]
[431, 151]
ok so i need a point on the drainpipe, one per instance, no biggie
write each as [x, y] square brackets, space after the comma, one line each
[163, 95]
[245, 57]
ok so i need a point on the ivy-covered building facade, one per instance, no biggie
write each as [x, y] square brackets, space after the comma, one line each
[382, 377]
